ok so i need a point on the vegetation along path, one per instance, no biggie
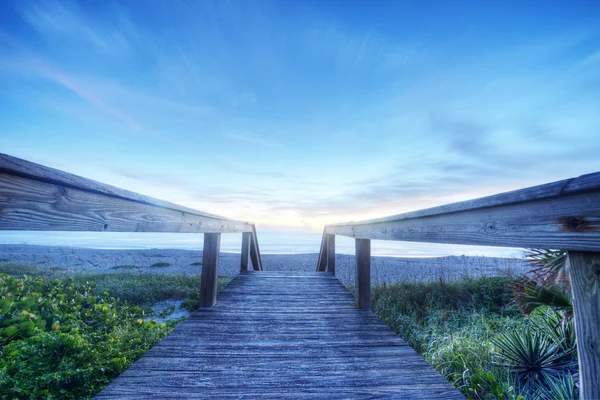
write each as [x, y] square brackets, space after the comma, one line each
[276, 335]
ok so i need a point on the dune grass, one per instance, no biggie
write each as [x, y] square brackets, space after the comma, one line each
[452, 325]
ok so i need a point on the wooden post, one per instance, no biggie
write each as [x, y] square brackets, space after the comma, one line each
[255, 251]
[245, 251]
[363, 273]
[322, 263]
[331, 253]
[210, 261]
[584, 271]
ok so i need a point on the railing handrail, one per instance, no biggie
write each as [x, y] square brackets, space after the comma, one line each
[37, 197]
[560, 215]
[581, 184]
[27, 169]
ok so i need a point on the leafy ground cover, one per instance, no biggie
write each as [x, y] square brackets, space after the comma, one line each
[68, 337]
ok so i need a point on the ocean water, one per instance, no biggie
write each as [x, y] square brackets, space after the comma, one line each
[269, 242]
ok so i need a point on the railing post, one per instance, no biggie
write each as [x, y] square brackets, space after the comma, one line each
[245, 251]
[255, 251]
[363, 273]
[322, 263]
[210, 261]
[331, 253]
[584, 271]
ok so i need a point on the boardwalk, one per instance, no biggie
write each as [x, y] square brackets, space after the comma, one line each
[275, 335]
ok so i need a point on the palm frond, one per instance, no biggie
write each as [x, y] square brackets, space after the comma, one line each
[530, 295]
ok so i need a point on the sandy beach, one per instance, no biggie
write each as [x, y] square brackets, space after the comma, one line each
[74, 260]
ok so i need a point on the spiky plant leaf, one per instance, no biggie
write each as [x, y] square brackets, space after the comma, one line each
[529, 354]
[548, 265]
[557, 388]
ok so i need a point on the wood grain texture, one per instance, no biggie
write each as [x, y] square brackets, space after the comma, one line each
[245, 251]
[566, 221]
[363, 273]
[322, 263]
[584, 271]
[35, 206]
[289, 348]
[255, 250]
[33, 197]
[331, 253]
[210, 263]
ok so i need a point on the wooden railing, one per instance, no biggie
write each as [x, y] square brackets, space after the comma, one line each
[37, 198]
[559, 215]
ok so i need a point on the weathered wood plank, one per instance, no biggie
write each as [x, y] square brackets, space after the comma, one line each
[570, 222]
[292, 346]
[245, 251]
[35, 197]
[210, 262]
[331, 253]
[322, 263]
[584, 271]
[255, 250]
[27, 204]
[363, 273]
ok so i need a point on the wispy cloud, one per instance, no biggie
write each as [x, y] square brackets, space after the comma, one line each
[254, 139]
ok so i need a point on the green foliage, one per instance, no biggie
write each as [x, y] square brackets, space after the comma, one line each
[64, 339]
[196, 263]
[190, 304]
[531, 295]
[161, 264]
[472, 333]
[125, 266]
[452, 325]
[557, 388]
[149, 288]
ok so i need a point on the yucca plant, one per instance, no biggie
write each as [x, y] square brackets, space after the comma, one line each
[559, 329]
[557, 388]
[530, 355]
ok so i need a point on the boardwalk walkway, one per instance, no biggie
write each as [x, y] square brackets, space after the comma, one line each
[281, 335]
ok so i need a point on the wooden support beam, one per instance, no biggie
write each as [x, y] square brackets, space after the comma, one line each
[210, 262]
[331, 253]
[322, 263]
[363, 273]
[584, 271]
[245, 251]
[255, 251]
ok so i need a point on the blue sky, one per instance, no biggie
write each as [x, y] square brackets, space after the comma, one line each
[296, 113]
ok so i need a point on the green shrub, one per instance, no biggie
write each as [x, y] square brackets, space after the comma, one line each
[61, 339]
[161, 264]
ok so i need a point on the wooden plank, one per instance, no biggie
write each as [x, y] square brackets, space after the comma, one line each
[322, 263]
[210, 261]
[363, 273]
[566, 221]
[331, 253]
[245, 251]
[255, 250]
[282, 350]
[584, 271]
[27, 204]
[15, 166]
